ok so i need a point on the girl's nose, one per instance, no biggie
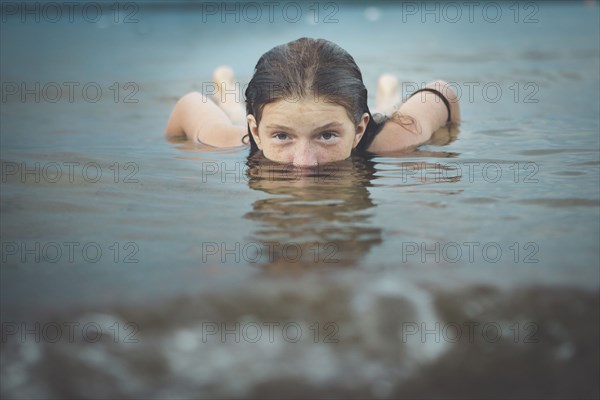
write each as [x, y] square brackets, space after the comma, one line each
[304, 156]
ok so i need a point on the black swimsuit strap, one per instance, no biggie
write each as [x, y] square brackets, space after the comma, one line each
[440, 95]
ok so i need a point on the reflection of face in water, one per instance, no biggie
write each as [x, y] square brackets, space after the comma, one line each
[314, 217]
[320, 216]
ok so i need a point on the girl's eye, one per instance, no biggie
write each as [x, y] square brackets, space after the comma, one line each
[328, 135]
[281, 136]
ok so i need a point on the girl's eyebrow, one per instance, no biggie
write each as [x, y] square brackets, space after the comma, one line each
[330, 125]
[278, 127]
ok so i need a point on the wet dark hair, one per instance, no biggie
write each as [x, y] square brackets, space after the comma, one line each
[311, 67]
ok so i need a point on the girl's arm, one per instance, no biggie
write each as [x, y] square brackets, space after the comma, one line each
[201, 120]
[417, 119]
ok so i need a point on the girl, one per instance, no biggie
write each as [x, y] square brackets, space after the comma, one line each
[306, 105]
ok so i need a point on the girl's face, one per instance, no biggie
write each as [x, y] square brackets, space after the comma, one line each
[306, 133]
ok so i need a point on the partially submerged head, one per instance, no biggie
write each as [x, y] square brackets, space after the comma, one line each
[307, 104]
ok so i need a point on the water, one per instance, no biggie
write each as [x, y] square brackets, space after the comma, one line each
[466, 268]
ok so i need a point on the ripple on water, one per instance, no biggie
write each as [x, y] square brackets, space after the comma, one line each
[546, 152]
[563, 202]
[480, 200]
[569, 173]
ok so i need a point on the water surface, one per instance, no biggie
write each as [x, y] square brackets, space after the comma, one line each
[490, 231]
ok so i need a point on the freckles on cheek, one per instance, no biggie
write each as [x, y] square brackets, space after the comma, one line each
[277, 155]
[342, 151]
[342, 154]
[332, 155]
